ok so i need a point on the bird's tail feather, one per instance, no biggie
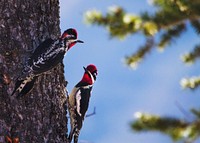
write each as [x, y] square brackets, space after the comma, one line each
[27, 87]
[18, 86]
[71, 135]
[24, 86]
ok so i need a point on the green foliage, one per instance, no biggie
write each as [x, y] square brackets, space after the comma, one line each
[196, 25]
[170, 34]
[177, 129]
[169, 22]
[192, 56]
[191, 83]
[116, 21]
[137, 57]
[196, 113]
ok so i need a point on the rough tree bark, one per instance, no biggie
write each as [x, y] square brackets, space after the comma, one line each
[39, 116]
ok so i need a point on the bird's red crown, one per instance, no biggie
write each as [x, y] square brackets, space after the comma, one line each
[71, 32]
[91, 68]
[90, 78]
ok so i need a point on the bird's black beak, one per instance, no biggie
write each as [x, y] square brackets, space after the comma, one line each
[95, 76]
[79, 41]
[85, 69]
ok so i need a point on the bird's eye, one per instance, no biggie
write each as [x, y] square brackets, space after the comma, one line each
[69, 37]
[95, 73]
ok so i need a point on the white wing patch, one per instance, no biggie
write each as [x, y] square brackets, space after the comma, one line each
[92, 77]
[78, 102]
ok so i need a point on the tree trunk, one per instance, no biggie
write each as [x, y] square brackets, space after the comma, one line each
[39, 116]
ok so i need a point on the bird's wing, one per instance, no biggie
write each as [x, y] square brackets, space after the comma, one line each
[82, 102]
[42, 48]
[46, 56]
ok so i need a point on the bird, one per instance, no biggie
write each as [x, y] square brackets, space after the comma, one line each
[45, 57]
[78, 101]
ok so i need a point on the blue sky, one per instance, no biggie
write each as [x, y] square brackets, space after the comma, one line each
[120, 91]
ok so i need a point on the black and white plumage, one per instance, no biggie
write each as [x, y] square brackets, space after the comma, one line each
[45, 57]
[78, 101]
